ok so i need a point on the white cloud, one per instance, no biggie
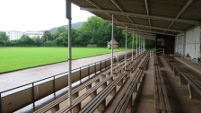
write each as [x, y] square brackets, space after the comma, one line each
[25, 15]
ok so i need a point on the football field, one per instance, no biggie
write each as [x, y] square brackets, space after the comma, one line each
[15, 58]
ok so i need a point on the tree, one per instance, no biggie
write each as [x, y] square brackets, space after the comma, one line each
[37, 41]
[47, 36]
[90, 29]
[25, 41]
[62, 40]
[3, 38]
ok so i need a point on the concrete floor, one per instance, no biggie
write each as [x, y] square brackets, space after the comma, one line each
[177, 94]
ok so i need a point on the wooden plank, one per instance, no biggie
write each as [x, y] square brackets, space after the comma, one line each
[92, 105]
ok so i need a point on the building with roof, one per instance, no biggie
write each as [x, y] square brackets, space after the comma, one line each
[16, 35]
[32, 34]
[115, 44]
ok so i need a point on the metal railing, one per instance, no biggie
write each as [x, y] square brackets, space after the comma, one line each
[53, 77]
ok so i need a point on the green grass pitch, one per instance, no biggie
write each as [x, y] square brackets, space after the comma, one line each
[16, 58]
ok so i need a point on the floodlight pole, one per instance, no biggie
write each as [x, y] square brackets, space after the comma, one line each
[112, 38]
[68, 16]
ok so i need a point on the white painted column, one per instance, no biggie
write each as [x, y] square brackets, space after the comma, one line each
[139, 46]
[112, 38]
[144, 44]
[136, 52]
[126, 46]
[68, 16]
[132, 44]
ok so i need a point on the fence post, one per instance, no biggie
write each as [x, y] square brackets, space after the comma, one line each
[54, 88]
[33, 99]
[80, 76]
[95, 68]
[105, 64]
[1, 108]
[100, 67]
[88, 71]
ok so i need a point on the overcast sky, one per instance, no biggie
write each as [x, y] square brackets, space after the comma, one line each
[23, 15]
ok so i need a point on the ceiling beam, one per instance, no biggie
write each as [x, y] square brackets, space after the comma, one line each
[156, 32]
[180, 12]
[99, 7]
[147, 9]
[145, 36]
[94, 4]
[122, 10]
[141, 33]
[141, 16]
[148, 31]
[144, 26]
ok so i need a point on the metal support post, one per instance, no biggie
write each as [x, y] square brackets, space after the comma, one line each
[139, 45]
[142, 45]
[68, 16]
[1, 109]
[136, 52]
[126, 46]
[112, 38]
[33, 98]
[132, 44]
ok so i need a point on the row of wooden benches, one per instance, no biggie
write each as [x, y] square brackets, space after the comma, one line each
[53, 105]
[144, 65]
[99, 102]
[162, 104]
[131, 89]
[186, 78]
[101, 80]
[130, 95]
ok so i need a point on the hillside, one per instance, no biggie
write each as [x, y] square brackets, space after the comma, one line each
[74, 26]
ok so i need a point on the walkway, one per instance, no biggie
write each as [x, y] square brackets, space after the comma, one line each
[18, 78]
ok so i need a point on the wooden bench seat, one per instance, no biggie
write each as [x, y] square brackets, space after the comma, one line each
[186, 78]
[143, 66]
[194, 85]
[75, 91]
[121, 68]
[156, 63]
[132, 67]
[76, 102]
[99, 100]
[130, 95]
[87, 84]
[162, 104]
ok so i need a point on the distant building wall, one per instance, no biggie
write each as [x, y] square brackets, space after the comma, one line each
[15, 35]
[193, 42]
[179, 44]
[32, 34]
[188, 43]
